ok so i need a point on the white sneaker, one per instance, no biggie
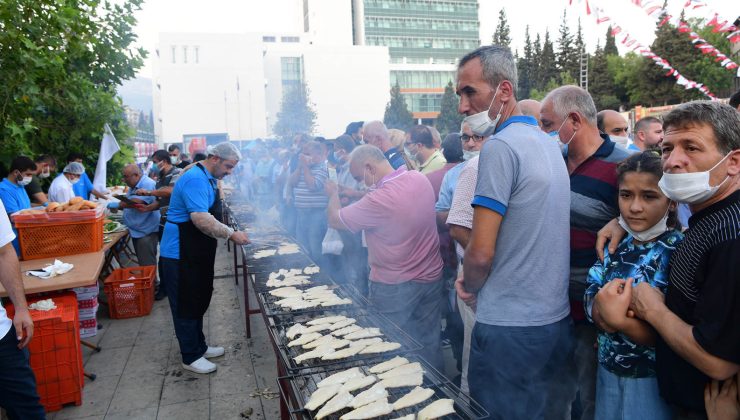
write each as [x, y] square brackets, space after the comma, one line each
[213, 352]
[200, 366]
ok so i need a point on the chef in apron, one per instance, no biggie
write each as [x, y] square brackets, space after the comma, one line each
[188, 251]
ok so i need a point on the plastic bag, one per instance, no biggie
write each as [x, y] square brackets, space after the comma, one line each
[332, 243]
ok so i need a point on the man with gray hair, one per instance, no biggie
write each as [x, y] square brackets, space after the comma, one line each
[375, 133]
[591, 157]
[515, 267]
[188, 251]
[397, 216]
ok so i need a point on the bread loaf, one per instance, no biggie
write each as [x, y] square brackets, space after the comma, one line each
[75, 200]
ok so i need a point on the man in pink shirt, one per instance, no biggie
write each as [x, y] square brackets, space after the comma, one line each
[397, 215]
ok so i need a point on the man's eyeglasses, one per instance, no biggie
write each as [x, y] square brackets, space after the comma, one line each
[465, 138]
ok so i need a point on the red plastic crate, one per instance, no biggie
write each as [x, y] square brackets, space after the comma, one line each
[56, 356]
[130, 291]
[57, 238]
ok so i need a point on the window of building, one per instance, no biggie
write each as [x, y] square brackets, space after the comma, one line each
[291, 70]
[289, 39]
[195, 53]
[268, 39]
[173, 49]
[185, 55]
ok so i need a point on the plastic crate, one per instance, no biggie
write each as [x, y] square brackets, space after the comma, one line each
[56, 356]
[84, 293]
[88, 328]
[57, 238]
[130, 291]
[88, 308]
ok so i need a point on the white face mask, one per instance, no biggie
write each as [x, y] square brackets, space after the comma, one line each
[620, 140]
[480, 123]
[74, 181]
[562, 143]
[691, 187]
[173, 160]
[24, 181]
[469, 154]
[649, 234]
[45, 174]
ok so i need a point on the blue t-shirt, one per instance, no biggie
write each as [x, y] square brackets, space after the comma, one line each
[84, 187]
[522, 176]
[139, 223]
[14, 198]
[646, 262]
[447, 189]
[193, 192]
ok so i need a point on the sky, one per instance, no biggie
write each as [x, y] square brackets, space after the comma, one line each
[239, 16]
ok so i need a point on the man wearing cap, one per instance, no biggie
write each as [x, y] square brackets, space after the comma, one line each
[61, 189]
[188, 252]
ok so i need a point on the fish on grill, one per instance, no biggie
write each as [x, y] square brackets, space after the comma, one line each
[358, 383]
[365, 342]
[364, 333]
[389, 364]
[346, 330]
[318, 327]
[326, 320]
[402, 370]
[335, 404]
[343, 323]
[304, 339]
[439, 408]
[412, 379]
[376, 392]
[381, 347]
[316, 353]
[343, 353]
[372, 410]
[312, 269]
[295, 330]
[327, 341]
[322, 395]
[337, 302]
[286, 292]
[411, 416]
[416, 396]
[341, 377]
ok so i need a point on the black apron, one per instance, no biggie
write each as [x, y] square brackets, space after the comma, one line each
[197, 258]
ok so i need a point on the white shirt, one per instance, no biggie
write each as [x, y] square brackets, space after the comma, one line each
[6, 237]
[61, 190]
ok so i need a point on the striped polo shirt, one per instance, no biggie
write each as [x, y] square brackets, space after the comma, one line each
[593, 200]
[312, 198]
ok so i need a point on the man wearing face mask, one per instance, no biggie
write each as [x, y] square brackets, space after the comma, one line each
[45, 164]
[515, 266]
[12, 191]
[698, 320]
[613, 124]
[61, 189]
[591, 157]
[420, 146]
[397, 216]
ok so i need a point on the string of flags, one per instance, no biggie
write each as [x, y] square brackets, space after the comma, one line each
[710, 18]
[632, 43]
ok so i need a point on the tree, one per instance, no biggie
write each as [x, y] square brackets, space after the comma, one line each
[449, 119]
[397, 114]
[567, 58]
[536, 65]
[525, 67]
[610, 47]
[601, 82]
[296, 115]
[548, 64]
[61, 62]
[561, 79]
[502, 34]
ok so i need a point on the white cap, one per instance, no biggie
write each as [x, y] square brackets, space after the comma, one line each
[74, 168]
[224, 150]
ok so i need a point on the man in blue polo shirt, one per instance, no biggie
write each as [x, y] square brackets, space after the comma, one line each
[12, 189]
[84, 187]
[188, 252]
[517, 258]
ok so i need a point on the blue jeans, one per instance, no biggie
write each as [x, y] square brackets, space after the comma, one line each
[417, 309]
[310, 230]
[511, 368]
[18, 394]
[628, 398]
[189, 332]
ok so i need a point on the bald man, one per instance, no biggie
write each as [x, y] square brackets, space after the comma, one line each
[613, 124]
[376, 134]
[143, 225]
[530, 107]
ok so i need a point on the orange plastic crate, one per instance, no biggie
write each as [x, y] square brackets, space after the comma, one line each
[130, 291]
[58, 238]
[56, 356]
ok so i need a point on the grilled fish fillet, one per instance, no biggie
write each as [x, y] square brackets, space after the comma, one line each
[341, 377]
[285, 292]
[343, 323]
[318, 327]
[337, 302]
[372, 410]
[342, 354]
[316, 289]
[335, 404]
[402, 370]
[333, 342]
[346, 330]
[312, 269]
[375, 393]
[364, 333]
[366, 342]
[411, 416]
[313, 354]
[416, 396]
[412, 379]
[294, 330]
[322, 395]
[304, 339]
[358, 383]
[389, 364]
[326, 320]
[380, 348]
[437, 409]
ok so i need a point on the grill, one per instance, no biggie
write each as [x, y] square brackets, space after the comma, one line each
[365, 319]
[296, 390]
[275, 262]
[271, 308]
[318, 279]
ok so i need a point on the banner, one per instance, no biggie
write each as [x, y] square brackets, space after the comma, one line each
[108, 148]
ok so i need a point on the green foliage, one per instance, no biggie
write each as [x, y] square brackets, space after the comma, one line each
[548, 69]
[556, 81]
[61, 62]
[610, 47]
[568, 55]
[502, 35]
[449, 119]
[296, 115]
[397, 114]
[526, 67]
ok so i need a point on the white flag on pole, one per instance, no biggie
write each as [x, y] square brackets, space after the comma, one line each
[108, 148]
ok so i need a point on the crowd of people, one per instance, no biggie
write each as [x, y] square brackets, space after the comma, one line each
[580, 269]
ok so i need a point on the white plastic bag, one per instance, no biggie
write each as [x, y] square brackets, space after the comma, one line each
[332, 243]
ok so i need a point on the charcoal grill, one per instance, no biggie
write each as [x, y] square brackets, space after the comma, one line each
[365, 318]
[297, 389]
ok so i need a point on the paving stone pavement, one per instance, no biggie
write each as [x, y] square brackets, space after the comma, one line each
[139, 374]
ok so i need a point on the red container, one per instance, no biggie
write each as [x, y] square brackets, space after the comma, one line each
[56, 356]
[130, 291]
[58, 237]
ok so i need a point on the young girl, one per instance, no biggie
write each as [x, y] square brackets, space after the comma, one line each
[626, 386]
